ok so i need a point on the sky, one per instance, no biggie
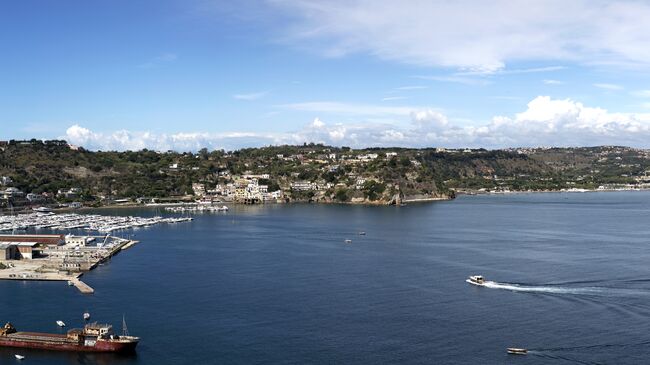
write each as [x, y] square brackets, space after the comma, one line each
[187, 74]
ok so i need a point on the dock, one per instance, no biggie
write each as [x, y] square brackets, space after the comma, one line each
[128, 245]
[83, 287]
[66, 263]
[28, 276]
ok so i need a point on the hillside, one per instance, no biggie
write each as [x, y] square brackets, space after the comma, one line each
[309, 172]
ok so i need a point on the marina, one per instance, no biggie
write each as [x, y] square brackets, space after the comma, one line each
[89, 222]
[56, 257]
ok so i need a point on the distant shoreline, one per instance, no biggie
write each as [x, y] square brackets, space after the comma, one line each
[466, 193]
[365, 203]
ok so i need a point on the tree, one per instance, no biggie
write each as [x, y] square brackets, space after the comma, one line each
[341, 195]
[372, 189]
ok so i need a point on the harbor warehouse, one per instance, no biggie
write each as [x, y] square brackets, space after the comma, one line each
[7, 251]
[26, 250]
[40, 239]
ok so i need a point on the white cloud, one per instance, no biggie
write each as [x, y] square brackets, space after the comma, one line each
[544, 122]
[412, 87]
[349, 108]
[251, 96]
[122, 140]
[317, 123]
[552, 82]
[612, 87]
[477, 36]
[455, 79]
[393, 98]
[516, 71]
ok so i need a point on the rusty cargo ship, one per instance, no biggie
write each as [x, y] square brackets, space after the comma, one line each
[93, 337]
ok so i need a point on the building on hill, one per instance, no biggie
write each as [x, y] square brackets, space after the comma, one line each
[11, 193]
[71, 193]
[35, 198]
[199, 189]
[302, 186]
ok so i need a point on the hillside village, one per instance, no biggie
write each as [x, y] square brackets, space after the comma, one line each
[54, 174]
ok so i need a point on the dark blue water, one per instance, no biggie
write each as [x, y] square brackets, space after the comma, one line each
[277, 284]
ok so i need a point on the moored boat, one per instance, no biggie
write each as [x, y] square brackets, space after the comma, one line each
[60, 323]
[476, 280]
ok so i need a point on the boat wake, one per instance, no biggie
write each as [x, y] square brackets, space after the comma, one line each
[560, 353]
[565, 359]
[542, 288]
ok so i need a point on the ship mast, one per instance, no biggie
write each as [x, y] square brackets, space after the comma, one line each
[125, 330]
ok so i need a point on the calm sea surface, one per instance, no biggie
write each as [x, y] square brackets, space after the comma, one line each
[569, 279]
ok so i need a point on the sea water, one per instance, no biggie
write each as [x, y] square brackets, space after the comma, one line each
[568, 277]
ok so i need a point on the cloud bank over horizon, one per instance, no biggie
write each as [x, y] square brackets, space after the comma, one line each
[545, 122]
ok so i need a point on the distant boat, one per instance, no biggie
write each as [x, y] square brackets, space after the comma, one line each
[60, 323]
[19, 357]
[86, 316]
[42, 209]
[348, 241]
[70, 283]
[362, 233]
[517, 351]
[476, 280]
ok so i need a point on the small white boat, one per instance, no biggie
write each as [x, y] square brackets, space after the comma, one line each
[517, 351]
[60, 323]
[348, 241]
[476, 280]
[86, 316]
[19, 357]
[362, 233]
[70, 283]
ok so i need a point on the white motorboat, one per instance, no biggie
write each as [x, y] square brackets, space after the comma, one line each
[476, 280]
[517, 351]
[19, 357]
[60, 323]
[86, 316]
[348, 241]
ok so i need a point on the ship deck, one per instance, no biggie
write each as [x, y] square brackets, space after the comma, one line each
[38, 337]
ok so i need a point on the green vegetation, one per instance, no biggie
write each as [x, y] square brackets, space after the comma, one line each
[342, 195]
[373, 189]
[337, 174]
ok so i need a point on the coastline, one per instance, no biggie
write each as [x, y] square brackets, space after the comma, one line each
[576, 191]
[362, 203]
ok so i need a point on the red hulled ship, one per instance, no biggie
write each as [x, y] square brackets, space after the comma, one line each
[93, 337]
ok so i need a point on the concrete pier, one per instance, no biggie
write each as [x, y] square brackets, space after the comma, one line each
[83, 287]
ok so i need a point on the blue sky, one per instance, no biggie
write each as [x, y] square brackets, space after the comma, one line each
[189, 74]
